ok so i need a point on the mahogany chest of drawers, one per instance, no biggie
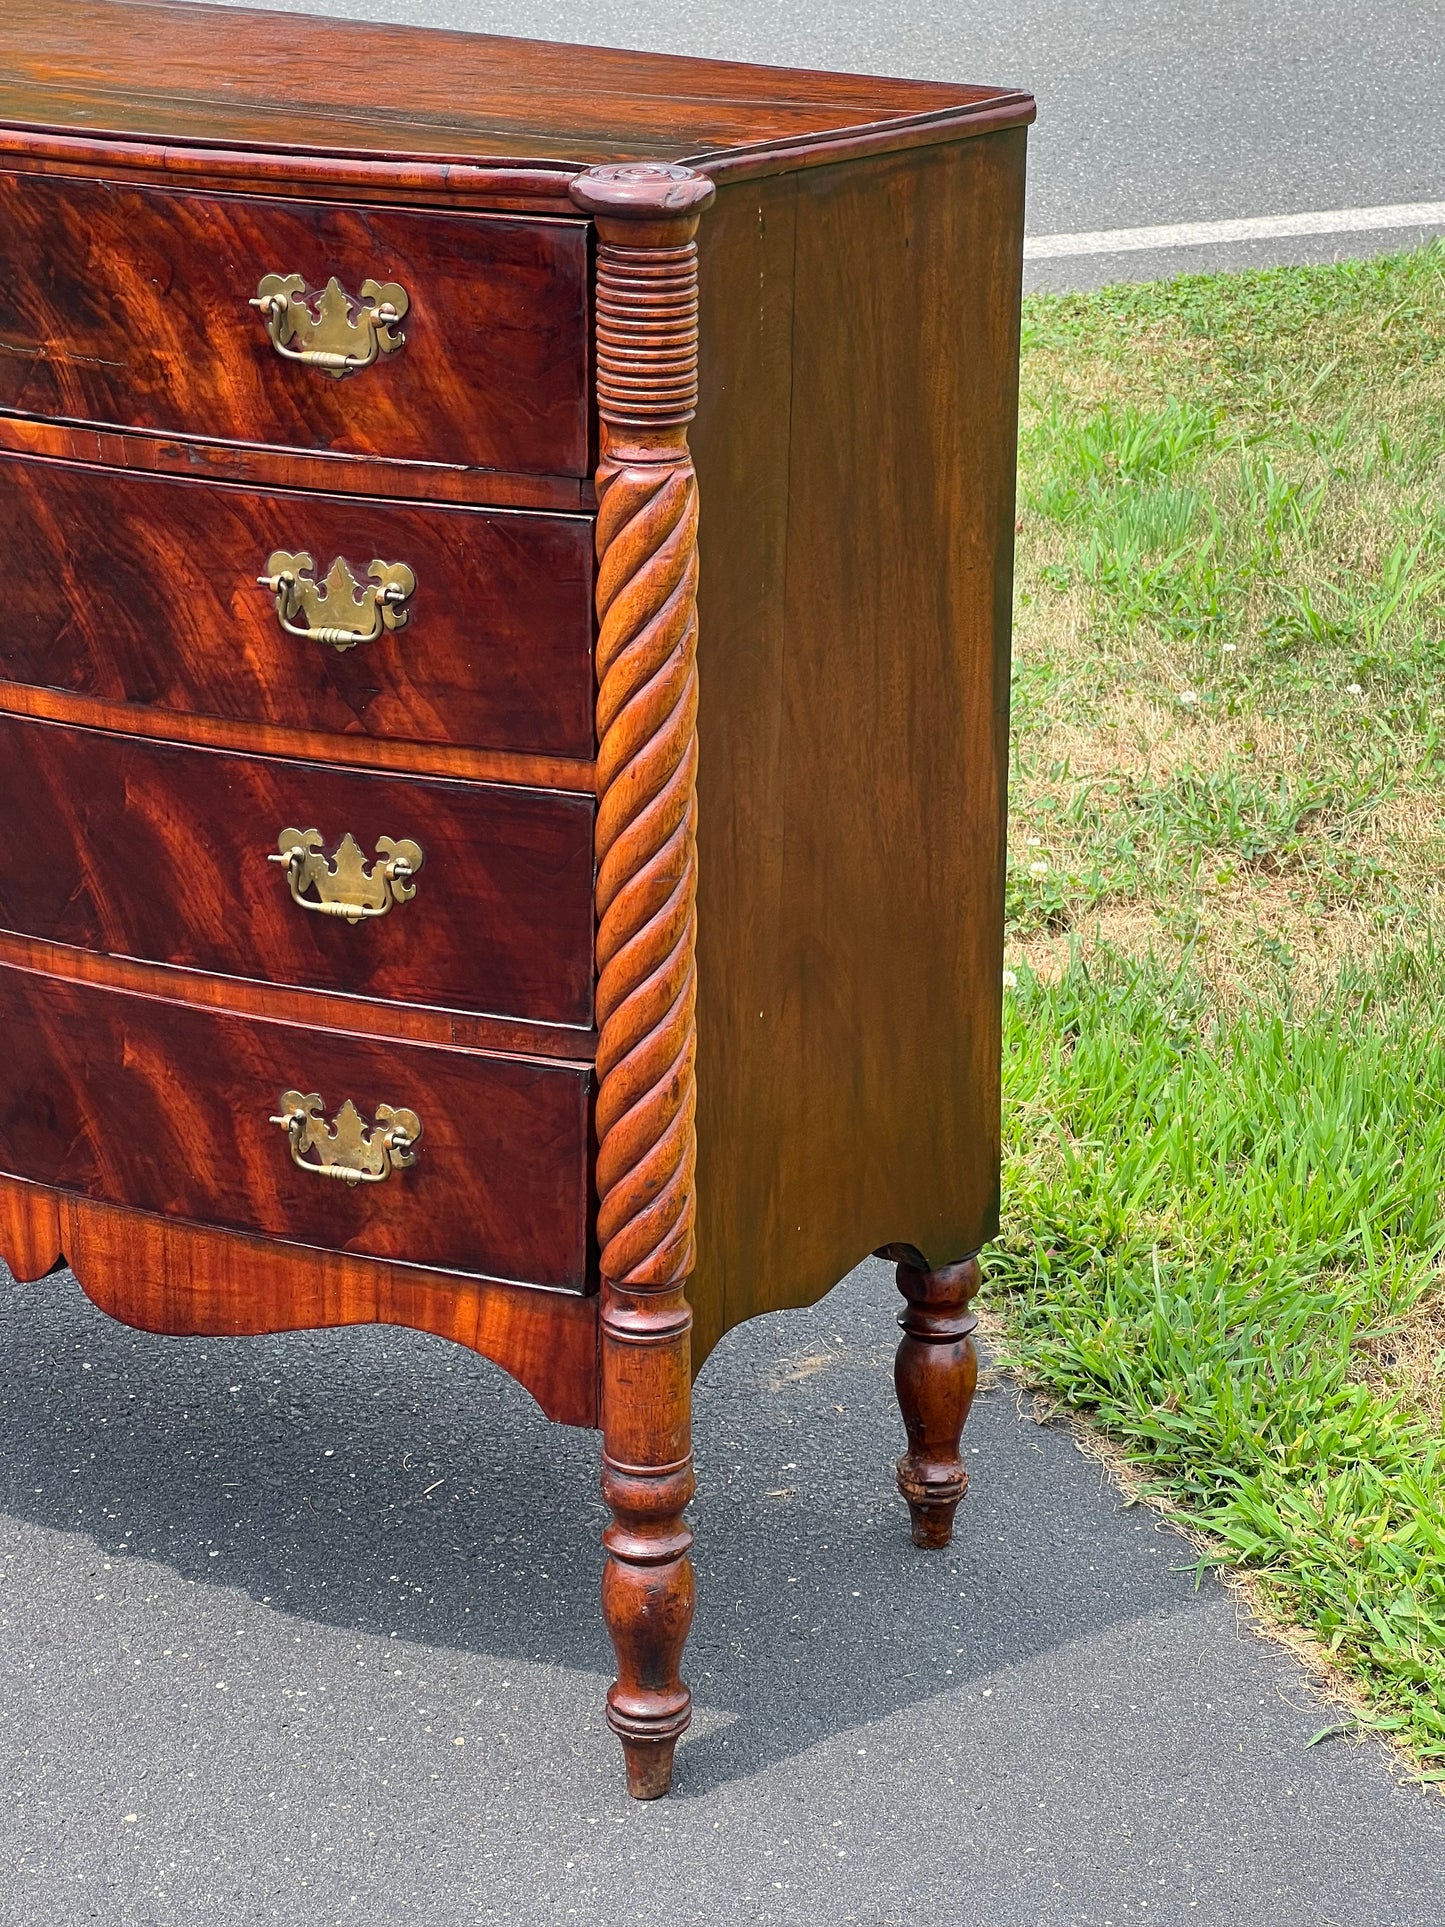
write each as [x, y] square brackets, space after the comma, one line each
[503, 693]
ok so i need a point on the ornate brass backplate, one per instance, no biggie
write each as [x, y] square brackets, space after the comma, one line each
[346, 885]
[349, 1149]
[338, 610]
[331, 330]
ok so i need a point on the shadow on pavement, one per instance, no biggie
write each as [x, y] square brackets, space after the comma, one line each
[385, 1482]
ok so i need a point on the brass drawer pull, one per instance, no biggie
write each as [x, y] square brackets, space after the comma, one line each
[338, 609]
[346, 885]
[355, 1152]
[337, 334]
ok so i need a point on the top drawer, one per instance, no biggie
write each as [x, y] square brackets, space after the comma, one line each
[130, 307]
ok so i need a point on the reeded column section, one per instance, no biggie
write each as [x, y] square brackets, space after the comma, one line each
[646, 219]
[936, 1375]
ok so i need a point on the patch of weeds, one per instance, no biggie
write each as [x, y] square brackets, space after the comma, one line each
[1128, 837]
[1204, 1218]
[1085, 457]
[1225, 1155]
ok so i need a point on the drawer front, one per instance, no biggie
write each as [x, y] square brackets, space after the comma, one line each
[130, 306]
[142, 589]
[167, 853]
[138, 1101]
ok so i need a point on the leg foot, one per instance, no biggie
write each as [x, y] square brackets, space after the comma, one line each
[936, 1375]
[647, 1480]
[649, 1767]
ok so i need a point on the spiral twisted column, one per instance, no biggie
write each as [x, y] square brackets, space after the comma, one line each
[647, 512]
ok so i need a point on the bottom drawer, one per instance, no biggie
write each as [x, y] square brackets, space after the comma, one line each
[168, 1107]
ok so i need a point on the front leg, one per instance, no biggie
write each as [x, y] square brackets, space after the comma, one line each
[646, 891]
[647, 1479]
[936, 1375]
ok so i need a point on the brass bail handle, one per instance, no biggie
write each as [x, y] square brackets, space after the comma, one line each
[350, 1148]
[346, 885]
[331, 331]
[337, 610]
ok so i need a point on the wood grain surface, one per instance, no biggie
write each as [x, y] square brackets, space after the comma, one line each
[647, 701]
[128, 305]
[855, 452]
[320, 1009]
[305, 83]
[161, 1276]
[138, 1101]
[313, 469]
[304, 745]
[155, 851]
[141, 590]
[935, 1374]
[854, 445]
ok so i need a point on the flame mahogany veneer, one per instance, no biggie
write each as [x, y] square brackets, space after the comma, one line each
[141, 591]
[494, 372]
[161, 852]
[700, 448]
[165, 1106]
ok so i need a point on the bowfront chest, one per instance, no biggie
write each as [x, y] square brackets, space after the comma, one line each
[503, 694]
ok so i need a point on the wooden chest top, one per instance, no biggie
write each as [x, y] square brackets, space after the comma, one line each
[213, 77]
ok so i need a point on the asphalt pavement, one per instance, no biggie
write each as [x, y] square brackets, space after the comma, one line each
[1150, 111]
[305, 1629]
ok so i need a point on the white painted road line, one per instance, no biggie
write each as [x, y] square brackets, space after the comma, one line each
[1264, 227]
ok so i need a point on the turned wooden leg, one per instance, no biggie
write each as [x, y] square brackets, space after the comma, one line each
[647, 1479]
[936, 1373]
[647, 509]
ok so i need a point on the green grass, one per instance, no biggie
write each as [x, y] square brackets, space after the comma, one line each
[1225, 1070]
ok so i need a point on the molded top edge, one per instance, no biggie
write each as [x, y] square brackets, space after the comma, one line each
[166, 75]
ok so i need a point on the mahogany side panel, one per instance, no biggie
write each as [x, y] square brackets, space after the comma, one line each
[740, 442]
[159, 852]
[142, 590]
[854, 620]
[164, 1277]
[165, 1107]
[129, 305]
